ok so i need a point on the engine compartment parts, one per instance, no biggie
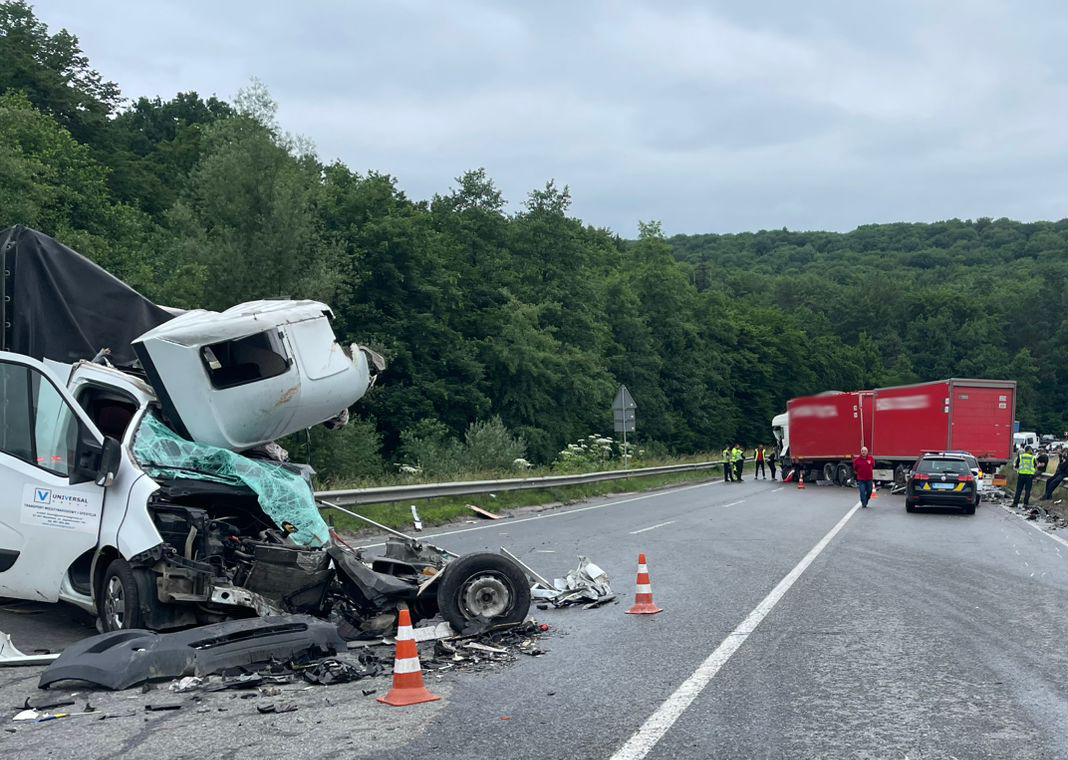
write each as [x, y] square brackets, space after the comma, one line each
[121, 659]
[284, 495]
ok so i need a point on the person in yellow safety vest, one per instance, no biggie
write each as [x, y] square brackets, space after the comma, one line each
[758, 468]
[728, 465]
[738, 457]
[1025, 475]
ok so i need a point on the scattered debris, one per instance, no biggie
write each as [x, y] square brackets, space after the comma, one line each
[165, 707]
[281, 707]
[483, 513]
[189, 683]
[417, 523]
[11, 656]
[586, 583]
[45, 704]
[333, 671]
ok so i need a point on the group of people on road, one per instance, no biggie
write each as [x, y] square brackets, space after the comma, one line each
[1028, 465]
[734, 460]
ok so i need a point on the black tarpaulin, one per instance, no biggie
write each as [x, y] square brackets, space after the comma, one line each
[60, 305]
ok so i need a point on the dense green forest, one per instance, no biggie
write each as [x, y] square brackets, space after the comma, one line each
[532, 316]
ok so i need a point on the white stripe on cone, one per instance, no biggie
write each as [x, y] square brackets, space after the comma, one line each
[643, 569]
[645, 588]
[407, 665]
[405, 633]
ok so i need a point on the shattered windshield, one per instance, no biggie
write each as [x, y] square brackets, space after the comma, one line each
[283, 495]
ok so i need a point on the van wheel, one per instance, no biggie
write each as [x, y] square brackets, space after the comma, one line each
[483, 585]
[119, 603]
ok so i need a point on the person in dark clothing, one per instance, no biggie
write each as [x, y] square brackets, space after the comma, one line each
[758, 468]
[771, 462]
[1041, 462]
[864, 471]
[1058, 476]
[1025, 475]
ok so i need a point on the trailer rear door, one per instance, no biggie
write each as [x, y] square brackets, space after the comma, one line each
[982, 419]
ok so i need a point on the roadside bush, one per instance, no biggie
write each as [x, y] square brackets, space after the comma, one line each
[491, 447]
[350, 453]
[488, 446]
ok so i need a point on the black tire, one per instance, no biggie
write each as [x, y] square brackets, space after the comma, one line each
[828, 472]
[970, 509]
[483, 584]
[843, 474]
[118, 606]
[910, 506]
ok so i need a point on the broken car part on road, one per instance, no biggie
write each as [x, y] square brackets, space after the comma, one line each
[121, 659]
[10, 655]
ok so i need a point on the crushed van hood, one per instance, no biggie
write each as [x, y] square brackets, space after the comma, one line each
[254, 373]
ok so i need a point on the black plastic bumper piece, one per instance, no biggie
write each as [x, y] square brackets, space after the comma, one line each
[122, 659]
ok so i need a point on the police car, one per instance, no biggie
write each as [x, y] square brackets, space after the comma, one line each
[942, 480]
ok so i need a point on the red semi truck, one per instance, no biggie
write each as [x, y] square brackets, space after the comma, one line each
[823, 433]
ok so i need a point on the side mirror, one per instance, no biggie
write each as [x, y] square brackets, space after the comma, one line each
[87, 454]
[110, 459]
[95, 461]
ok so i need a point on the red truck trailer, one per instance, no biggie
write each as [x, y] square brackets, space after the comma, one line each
[822, 433]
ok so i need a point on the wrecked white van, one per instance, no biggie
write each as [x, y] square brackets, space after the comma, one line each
[142, 487]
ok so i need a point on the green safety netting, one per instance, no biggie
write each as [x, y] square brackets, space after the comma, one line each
[283, 495]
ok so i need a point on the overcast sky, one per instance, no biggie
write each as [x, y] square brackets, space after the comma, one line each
[709, 116]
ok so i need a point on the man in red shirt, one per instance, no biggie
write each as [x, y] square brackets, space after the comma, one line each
[864, 471]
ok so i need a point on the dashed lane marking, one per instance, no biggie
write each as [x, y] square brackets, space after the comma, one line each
[651, 527]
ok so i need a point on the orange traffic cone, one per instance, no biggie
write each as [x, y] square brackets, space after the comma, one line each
[408, 687]
[801, 481]
[874, 492]
[643, 597]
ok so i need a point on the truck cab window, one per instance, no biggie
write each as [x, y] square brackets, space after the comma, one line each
[245, 360]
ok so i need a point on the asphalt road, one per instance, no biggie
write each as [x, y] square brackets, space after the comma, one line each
[932, 635]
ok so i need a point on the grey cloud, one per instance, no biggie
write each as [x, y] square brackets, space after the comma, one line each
[709, 116]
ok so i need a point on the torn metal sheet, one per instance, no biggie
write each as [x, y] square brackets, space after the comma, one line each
[10, 656]
[586, 583]
[433, 632]
[122, 659]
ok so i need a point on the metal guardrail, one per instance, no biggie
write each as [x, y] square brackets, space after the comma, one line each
[384, 494]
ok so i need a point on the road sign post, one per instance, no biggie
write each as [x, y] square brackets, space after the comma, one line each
[623, 408]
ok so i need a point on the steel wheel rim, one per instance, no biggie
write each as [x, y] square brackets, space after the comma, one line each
[115, 603]
[486, 596]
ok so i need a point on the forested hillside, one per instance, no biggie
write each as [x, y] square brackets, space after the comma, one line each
[530, 316]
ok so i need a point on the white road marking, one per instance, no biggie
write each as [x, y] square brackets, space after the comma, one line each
[651, 527]
[561, 513]
[1031, 524]
[652, 731]
[776, 490]
[734, 502]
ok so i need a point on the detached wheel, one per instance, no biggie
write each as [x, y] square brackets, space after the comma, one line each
[483, 585]
[119, 603]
